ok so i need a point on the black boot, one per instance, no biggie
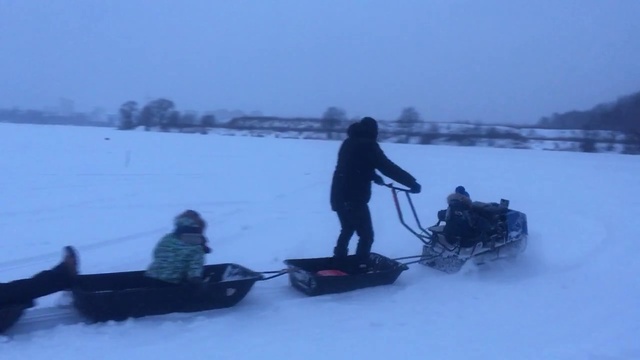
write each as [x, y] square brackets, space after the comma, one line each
[70, 260]
[363, 250]
[340, 252]
[362, 257]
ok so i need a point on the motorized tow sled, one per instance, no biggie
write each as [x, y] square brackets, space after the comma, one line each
[505, 239]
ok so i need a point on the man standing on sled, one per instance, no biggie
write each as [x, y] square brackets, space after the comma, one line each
[359, 157]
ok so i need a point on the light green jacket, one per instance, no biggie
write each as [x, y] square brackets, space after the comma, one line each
[175, 260]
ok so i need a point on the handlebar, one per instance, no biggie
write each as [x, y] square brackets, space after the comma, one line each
[393, 187]
[425, 234]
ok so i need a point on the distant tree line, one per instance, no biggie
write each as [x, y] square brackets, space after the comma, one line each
[41, 117]
[620, 115]
[161, 113]
[335, 118]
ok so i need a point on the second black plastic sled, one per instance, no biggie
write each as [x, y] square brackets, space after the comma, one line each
[118, 296]
[327, 275]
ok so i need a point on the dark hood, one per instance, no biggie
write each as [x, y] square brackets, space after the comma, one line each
[353, 130]
[368, 128]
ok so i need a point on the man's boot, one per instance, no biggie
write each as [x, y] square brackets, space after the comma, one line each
[340, 252]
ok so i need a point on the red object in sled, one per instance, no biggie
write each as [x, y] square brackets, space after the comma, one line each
[331, 273]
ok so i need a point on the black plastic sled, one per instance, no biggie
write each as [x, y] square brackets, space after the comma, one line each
[10, 314]
[507, 240]
[321, 276]
[118, 296]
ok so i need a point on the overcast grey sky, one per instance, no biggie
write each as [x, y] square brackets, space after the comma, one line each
[489, 60]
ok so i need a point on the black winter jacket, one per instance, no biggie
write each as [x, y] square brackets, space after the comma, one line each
[358, 159]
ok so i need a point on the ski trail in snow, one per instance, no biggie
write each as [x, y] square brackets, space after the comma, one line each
[258, 207]
[45, 319]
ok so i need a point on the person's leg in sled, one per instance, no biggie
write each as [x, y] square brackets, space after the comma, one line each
[59, 278]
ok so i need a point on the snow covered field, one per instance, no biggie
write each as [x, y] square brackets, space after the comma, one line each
[573, 295]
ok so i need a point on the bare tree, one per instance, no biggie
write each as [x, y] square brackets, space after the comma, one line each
[409, 118]
[208, 120]
[331, 118]
[128, 112]
[156, 112]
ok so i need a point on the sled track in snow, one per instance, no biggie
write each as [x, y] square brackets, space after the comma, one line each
[47, 257]
[35, 320]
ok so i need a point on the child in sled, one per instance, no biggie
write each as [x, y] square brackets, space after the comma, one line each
[464, 223]
[179, 256]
